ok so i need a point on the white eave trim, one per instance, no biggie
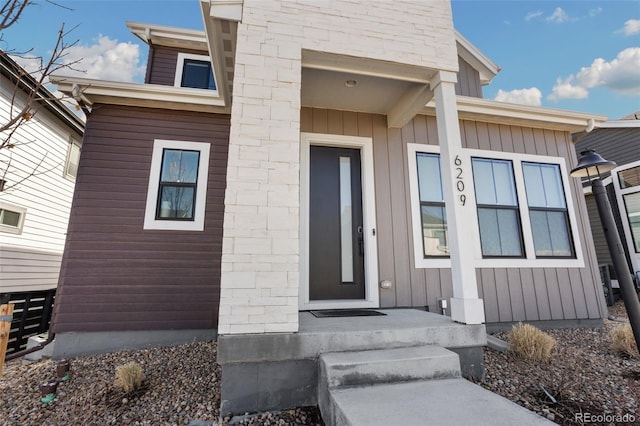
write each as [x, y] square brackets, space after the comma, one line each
[145, 95]
[620, 124]
[485, 66]
[491, 111]
[169, 36]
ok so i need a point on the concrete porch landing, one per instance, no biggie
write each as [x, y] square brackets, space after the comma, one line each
[277, 371]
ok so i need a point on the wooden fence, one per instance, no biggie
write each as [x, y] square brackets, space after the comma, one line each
[31, 316]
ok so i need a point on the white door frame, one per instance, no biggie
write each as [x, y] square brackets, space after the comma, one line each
[365, 145]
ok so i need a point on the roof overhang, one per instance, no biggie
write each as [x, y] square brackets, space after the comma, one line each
[520, 115]
[620, 124]
[90, 91]
[474, 57]
[159, 35]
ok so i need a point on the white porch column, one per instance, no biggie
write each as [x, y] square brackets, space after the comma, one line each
[457, 183]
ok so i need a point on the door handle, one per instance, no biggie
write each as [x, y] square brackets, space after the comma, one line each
[360, 241]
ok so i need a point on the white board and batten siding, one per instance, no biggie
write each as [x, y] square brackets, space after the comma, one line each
[30, 260]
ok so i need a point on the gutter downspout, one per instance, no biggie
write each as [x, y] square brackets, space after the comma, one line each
[81, 99]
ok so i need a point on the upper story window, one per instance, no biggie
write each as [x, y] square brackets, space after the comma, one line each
[194, 71]
[73, 159]
[177, 190]
[11, 218]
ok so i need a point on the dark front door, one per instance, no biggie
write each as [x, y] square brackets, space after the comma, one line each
[336, 249]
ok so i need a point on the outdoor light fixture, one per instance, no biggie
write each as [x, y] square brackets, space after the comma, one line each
[351, 83]
[590, 165]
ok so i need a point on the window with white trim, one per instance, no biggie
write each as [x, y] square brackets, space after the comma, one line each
[497, 207]
[177, 186]
[11, 218]
[194, 71]
[73, 159]
[521, 207]
[547, 210]
[435, 241]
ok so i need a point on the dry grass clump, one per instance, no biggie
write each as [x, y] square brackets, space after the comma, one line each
[129, 377]
[623, 342]
[529, 343]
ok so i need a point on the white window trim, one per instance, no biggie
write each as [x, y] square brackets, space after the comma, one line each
[365, 144]
[150, 221]
[72, 142]
[177, 80]
[622, 208]
[530, 261]
[20, 210]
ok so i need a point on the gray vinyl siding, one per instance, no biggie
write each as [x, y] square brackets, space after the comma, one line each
[510, 294]
[161, 65]
[115, 275]
[468, 80]
[621, 145]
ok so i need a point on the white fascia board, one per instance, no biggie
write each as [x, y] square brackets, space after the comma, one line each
[620, 124]
[470, 53]
[230, 10]
[147, 95]
[168, 36]
[216, 52]
[491, 111]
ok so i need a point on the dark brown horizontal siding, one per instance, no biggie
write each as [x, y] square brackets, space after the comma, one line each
[117, 276]
[162, 64]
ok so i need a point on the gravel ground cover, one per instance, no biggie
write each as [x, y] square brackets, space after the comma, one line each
[182, 386]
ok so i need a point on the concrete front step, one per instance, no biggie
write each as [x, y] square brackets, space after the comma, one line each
[430, 402]
[339, 370]
[387, 366]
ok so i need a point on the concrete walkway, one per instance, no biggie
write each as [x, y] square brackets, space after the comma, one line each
[455, 402]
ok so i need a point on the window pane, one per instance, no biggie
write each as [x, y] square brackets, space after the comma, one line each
[543, 185]
[346, 222]
[550, 233]
[74, 160]
[180, 166]
[494, 184]
[197, 74]
[632, 202]
[429, 178]
[629, 177]
[434, 231]
[499, 232]
[9, 218]
[176, 202]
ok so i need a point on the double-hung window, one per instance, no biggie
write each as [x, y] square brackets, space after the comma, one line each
[498, 212]
[73, 159]
[194, 71]
[547, 210]
[433, 216]
[177, 186]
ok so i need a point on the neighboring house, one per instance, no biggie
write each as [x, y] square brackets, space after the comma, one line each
[619, 141]
[37, 177]
[291, 158]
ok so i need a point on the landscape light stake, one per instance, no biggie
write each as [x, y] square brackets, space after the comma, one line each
[591, 164]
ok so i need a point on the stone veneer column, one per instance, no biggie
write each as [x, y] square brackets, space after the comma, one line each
[260, 274]
[457, 183]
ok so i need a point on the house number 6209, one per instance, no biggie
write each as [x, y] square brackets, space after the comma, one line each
[459, 180]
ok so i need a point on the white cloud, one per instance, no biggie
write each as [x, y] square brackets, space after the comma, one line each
[558, 16]
[530, 96]
[533, 15]
[594, 12]
[631, 27]
[619, 75]
[566, 89]
[105, 60]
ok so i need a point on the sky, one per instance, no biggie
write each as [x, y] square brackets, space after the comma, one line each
[571, 55]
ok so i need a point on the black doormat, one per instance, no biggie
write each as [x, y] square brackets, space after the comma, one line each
[334, 313]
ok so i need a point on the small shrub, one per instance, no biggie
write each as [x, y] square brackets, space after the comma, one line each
[529, 343]
[623, 342]
[129, 376]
